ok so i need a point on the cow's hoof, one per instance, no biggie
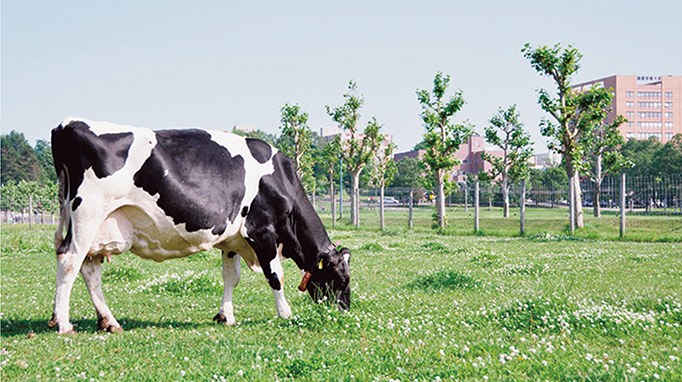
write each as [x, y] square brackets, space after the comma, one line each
[221, 318]
[70, 333]
[105, 325]
[52, 323]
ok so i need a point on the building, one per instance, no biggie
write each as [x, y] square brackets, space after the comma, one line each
[469, 154]
[651, 104]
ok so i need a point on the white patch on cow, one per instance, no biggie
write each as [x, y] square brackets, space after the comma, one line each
[346, 258]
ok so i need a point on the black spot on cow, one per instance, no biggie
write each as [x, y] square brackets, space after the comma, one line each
[198, 181]
[77, 148]
[260, 150]
[77, 202]
[245, 211]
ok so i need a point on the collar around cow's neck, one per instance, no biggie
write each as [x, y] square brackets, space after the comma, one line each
[307, 274]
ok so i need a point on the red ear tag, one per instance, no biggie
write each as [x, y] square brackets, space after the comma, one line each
[306, 277]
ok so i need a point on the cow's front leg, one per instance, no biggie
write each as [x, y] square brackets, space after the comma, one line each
[68, 265]
[231, 276]
[92, 275]
[283, 308]
[268, 255]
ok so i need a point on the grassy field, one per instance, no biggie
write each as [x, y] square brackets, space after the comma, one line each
[639, 227]
[426, 307]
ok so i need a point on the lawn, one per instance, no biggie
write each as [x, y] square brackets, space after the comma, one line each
[426, 307]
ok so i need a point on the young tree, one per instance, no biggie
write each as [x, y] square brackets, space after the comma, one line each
[516, 150]
[566, 109]
[296, 142]
[383, 174]
[603, 144]
[356, 151]
[328, 160]
[408, 174]
[442, 137]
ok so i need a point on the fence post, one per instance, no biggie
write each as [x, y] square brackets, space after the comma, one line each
[523, 207]
[30, 210]
[622, 205]
[476, 200]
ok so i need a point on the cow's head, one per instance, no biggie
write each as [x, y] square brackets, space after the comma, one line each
[330, 278]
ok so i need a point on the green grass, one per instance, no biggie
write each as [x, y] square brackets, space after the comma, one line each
[425, 307]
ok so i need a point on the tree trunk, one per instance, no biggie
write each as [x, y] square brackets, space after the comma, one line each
[597, 187]
[466, 197]
[331, 199]
[381, 208]
[505, 198]
[596, 198]
[476, 209]
[440, 199]
[578, 201]
[411, 202]
[355, 200]
[523, 207]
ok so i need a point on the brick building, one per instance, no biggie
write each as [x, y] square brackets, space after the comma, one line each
[651, 104]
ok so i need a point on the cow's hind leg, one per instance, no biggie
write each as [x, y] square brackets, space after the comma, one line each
[92, 275]
[231, 276]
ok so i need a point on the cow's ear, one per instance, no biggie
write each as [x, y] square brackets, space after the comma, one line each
[345, 254]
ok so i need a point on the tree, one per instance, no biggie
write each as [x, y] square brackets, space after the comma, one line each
[296, 142]
[358, 149]
[668, 159]
[603, 144]
[442, 137]
[641, 152]
[516, 150]
[43, 153]
[570, 111]
[18, 159]
[328, 159]
[409, 175]
[383, 174]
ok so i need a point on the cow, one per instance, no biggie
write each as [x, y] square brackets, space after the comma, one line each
[172, 193]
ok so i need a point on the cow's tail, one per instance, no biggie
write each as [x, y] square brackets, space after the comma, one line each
[64, 211]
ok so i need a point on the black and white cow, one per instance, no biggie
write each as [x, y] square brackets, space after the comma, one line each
[172, 193]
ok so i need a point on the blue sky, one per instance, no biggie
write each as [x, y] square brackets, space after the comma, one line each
[214, 64]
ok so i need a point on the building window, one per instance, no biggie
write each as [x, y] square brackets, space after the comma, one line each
[650, 95]
[649, 125]
[668, 135]
[630, 124]
[629, 135]
[649, 114]
[668, 94]
[668, 125]
[630, 104]
[630, 94]
[669, 114]
[668, 105]
[629, 114]
[649, 105]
